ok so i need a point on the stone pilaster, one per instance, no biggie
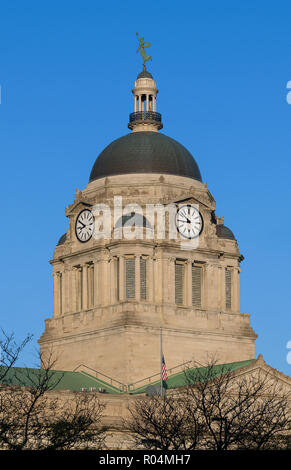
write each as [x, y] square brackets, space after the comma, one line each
[221, 287]
[104, 278]
[150, 279]
[85, 287]
[74, 273]
[206, 275]
[188, 283]
[238, 290]
[165, 279]
[121, 278]
[58, 291]
[66, 282]
[158, 276]
[90, 284]
[55, 303]
[112, 280]
[172, 280]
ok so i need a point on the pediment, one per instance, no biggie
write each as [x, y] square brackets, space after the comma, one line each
[259, 366]
[202, 200]
[81, 202]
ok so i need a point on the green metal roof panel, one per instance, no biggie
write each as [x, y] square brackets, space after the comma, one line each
[75, 381]
[179, 379]
[59, 380]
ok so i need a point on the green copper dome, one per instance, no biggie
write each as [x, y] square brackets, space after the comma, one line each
[145, 152]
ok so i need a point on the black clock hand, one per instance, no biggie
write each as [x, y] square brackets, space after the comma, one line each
[82, 224]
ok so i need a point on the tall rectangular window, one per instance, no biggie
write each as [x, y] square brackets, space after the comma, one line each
[196, 285]
[179, 282]
[143, 278]
[130, 278]
[228, 282]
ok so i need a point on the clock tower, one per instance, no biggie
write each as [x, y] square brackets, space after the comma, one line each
[145, 250]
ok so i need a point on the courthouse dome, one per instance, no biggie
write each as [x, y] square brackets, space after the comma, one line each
[145, 152]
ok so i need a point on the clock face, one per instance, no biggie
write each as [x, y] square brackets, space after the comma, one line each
[189, 221]
[84, 225]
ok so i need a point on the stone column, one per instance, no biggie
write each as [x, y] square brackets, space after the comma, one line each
[150, 279]
[104, 284]
[58, 294]
[172, 280]
[111, 280]
[121, 279]
[147, 102]
[238, 290]
[80, 293]
[90, 284]
[96, 281]
[213, 287]
[188, 283]
[101, 281]
[55, 312]
[165, 279]
[74, 273]
[85, 287]
[206, 279]
[235, 290]
[155, 285]
[159, 279]
[221, 287]
[137, 277]
[66, 274]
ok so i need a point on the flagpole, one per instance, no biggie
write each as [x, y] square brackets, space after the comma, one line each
[161, 354]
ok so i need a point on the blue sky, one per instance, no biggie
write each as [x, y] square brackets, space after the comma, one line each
[66, 73]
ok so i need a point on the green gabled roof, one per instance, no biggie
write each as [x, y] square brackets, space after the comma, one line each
[179, 379]
[59, 380]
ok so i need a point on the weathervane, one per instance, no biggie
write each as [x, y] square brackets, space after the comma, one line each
[141, 49]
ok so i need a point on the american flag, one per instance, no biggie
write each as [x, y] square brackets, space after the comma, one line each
[164, 370]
